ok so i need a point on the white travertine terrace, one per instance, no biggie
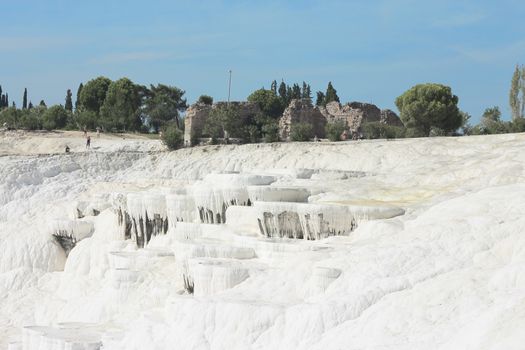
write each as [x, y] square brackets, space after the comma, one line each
[407, 244]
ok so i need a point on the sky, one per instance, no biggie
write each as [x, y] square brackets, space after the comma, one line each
[371, 51]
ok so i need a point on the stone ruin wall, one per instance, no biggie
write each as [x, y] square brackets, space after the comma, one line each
[198, 113]
[301, 111]
[353, 114]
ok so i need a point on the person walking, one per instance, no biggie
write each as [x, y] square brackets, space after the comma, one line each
[88, 142]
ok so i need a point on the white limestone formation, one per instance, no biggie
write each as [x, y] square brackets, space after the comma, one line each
[69, 232]
[211, 276]
[315, 221]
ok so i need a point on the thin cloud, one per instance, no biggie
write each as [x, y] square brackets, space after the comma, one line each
[18, 43]
[128, 57]
[510, 52]
[460, 20]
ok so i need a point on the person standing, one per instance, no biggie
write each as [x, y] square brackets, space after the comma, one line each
[88, 142]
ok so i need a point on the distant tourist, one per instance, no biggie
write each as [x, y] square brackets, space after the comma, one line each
[344, 136]
[88, 142]
[98, 132]
[315, 138]
[67, 149]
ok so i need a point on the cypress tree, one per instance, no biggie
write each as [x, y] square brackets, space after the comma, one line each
[69, 101]
[6, 100]
[42, 103]
[2, 101]
[289, 94]
[331, 94]
[282, 92]
[24, 101]
[306, 91]
[320, 99]
[514, 100]
[273, 88]
[296, 91]
[77, 102]
[522, 87]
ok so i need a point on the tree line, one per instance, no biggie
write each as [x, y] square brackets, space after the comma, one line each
[122, 105]
[115, 106]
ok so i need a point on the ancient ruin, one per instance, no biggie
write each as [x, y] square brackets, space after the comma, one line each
[198, 113]
[353, 115]
[301, 111]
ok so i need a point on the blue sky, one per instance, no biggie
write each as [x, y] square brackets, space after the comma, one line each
[372, 51]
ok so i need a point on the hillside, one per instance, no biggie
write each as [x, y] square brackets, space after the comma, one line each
[414, 243]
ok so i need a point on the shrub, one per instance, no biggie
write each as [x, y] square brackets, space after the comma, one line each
[205, 99]
[518, 125]
[270, 131]
[32, 119]
[11, 116]
[85, 119]
[334, 130]
[251, 134]
[434, 132]
[172, 137]
[490, 126]
[376, 130]
[301, 132]
[55, 117]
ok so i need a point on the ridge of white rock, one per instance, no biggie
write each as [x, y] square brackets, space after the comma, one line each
[362, 245]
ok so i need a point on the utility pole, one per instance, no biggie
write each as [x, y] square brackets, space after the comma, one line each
[229, 87]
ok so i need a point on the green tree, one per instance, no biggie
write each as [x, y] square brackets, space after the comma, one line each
[320, 99]
[268, 102]
[84, 119]
[378, 130]
[24, 100]
[492, 113]
[334, 130]
[11, 116]
[93, 94]
[427, 106]
[30, 105]
[163, 104]
[120, 108]
[283, 93]
[205, 99]
[331, 94]
[31, 119]
[466, 127]
[301, 132]
[517, 93]
[69, 101]
[273, 87]
[55, 117]
[172, 136]
[306, 92]
[42, 104]
[224, 120]
[77, 102]
[270, 131]
[296, 92]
